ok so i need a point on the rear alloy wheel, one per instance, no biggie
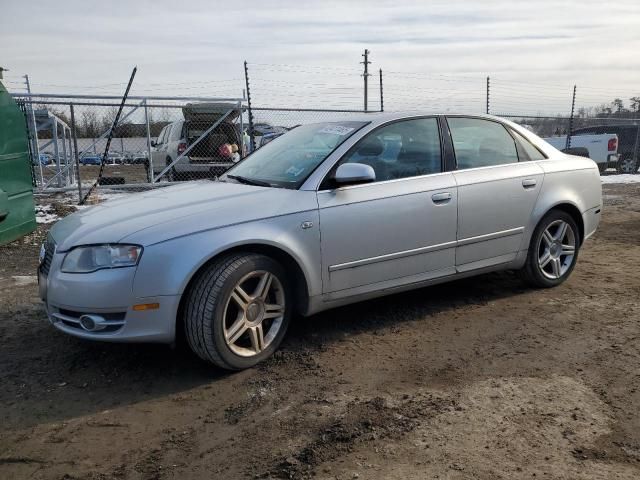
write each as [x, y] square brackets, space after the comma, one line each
[238, 310]
[553, 251]
[627, 165]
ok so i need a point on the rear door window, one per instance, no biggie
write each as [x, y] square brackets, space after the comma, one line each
[481, 143]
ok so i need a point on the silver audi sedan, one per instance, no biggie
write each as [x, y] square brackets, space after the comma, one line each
[328, 214]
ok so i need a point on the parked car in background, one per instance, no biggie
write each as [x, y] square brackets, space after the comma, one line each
[139, 158]
[628, 143]
[209, 157]
[91, 159]
[114, 158]
[601, 148]
[322, 217]
[43, 158]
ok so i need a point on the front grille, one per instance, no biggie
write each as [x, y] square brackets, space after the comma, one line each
[49, 250]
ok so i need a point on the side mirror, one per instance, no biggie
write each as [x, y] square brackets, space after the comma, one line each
[352, 173]
[153, 143]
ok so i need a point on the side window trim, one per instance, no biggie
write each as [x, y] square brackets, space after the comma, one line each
[324, 184]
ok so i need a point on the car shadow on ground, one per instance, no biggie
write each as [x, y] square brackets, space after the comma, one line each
[77, 377]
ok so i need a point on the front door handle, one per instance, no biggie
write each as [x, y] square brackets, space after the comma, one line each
[529, 183]
[3, 216]
[440, 198]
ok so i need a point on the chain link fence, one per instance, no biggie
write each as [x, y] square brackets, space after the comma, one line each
[161, 140]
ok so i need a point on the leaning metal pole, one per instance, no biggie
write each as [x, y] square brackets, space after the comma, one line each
[111, 132]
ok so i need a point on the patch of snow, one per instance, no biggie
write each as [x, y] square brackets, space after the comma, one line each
[45, 214]
[624, 178]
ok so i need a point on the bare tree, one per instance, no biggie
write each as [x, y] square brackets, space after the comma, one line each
[618, 105]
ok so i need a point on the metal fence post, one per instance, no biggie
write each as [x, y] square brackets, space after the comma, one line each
[54, 131]
[75, 149]
[67, 177]
[365, 75]
[573, 106]
[381, 95]
[488, 91]
[252, 142]
[149, 157]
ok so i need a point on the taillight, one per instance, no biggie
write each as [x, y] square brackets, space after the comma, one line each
[181, 148]
[612, 146]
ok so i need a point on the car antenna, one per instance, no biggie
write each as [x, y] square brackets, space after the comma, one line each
[113, 128]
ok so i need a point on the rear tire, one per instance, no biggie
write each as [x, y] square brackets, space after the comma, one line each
[553, 251]
[237, 310]
[627, 165]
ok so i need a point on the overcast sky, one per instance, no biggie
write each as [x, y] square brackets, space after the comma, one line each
[437, 52]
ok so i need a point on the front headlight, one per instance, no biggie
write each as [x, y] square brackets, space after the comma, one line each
[97, 257]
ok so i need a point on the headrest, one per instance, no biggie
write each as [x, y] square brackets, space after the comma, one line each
[371, 147]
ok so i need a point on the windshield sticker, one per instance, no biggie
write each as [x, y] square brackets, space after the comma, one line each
[294, 171]
[336, 130]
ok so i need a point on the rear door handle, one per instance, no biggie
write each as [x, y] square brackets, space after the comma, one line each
[3, 216]
[529, 183]
[440, 198]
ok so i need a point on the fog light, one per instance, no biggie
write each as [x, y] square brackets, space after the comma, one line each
[91, 323]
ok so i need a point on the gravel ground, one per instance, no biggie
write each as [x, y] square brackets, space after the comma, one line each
[482, 378]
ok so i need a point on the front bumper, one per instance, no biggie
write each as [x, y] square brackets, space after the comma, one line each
[108, 294]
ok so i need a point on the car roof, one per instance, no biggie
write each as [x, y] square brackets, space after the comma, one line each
[377, 118]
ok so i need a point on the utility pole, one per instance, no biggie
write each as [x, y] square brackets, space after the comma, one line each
[366, 77]
[487, 95]
[34, 129]
[573, 106]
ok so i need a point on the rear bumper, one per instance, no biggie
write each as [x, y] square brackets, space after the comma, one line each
[198, 166]
[591, 220]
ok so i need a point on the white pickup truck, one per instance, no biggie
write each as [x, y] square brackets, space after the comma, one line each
[602, 148]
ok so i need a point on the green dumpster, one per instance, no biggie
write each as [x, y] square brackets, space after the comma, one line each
[17, 211]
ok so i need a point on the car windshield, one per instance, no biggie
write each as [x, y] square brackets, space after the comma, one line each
[289, 159]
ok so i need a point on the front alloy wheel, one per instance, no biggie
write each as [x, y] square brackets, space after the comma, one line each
[252, 320]
[237, 310]
[553, 250]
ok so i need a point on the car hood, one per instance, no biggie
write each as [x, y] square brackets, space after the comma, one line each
[164, 213]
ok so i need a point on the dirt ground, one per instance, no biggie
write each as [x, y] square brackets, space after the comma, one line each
[478, 379]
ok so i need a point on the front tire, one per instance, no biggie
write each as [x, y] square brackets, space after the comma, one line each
[553, 250]
[237, 311]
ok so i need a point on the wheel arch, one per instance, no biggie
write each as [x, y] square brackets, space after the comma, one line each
[299, 281]
[572, 210]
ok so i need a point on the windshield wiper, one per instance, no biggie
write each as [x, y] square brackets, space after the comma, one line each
[249, 181]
